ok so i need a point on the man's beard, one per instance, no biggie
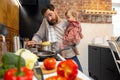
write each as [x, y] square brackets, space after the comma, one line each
[53, 23]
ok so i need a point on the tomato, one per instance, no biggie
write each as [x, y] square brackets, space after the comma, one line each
[56, 78]
[67, 69]
[49, 63]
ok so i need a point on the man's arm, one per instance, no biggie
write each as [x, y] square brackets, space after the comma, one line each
[39, 35]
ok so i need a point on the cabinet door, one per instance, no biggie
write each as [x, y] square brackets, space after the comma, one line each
[108, 67]
[94, 62]
[109, 73]
[107, 58]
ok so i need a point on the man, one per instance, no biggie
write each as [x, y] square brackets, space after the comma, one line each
[52, 29]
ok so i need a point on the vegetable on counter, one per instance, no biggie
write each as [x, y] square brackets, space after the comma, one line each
[67, 69]
[29, 57]
[26, 74]
[9, 60]
[19, 73]
[49, 63]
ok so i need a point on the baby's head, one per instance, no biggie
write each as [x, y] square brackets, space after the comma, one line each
[71, 15]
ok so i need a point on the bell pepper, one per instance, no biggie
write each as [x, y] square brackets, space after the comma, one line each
[67, 69]
[56, 78]
[19, 73]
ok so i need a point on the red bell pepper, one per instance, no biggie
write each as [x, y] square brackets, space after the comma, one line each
[67, 69]
[56, 78]
[19, 73]
[26, 74]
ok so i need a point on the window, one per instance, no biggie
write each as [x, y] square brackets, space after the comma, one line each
[115, 1]
[116, 17]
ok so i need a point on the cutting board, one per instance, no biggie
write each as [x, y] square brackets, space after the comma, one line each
[45, 71]
[77, 78]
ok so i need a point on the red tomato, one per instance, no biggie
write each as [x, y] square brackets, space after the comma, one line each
[56, 78]
[67, 69]
[49, 63]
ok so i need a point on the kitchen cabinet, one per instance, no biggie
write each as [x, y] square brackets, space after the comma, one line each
[94, 62]
[101, 63]
[9, 16]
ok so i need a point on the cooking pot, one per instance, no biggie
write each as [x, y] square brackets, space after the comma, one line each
[44, 47]
[45, 54]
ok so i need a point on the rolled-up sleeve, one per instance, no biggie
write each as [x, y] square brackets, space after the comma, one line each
[40, 35]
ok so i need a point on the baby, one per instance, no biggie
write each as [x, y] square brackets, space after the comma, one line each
[73, 33]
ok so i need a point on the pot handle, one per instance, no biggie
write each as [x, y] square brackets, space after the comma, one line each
[66, 48]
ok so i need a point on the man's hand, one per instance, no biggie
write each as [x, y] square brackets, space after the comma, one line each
[30, 43]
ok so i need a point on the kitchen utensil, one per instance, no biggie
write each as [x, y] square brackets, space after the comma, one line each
[16, 43]
[45, 54]
[3, 30]
[44, 47]
[37, 71]
[3, 33]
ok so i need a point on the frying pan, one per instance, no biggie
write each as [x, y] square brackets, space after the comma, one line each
[45, 54]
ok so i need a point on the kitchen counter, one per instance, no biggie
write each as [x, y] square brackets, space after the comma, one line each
[100, 45]
[79, 75]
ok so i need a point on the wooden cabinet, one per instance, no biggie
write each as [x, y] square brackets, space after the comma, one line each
[9, 40]
[101, 64]
[9, 16]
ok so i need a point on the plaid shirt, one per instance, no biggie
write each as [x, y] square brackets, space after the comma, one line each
[52, 35]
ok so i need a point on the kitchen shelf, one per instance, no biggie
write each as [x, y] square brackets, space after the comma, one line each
[98, 12]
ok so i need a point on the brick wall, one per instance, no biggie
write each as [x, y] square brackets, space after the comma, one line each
[79, 5]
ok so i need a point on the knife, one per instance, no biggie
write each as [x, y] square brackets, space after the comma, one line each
[37, 71]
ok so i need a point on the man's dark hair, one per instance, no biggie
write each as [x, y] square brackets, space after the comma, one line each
[49, 6]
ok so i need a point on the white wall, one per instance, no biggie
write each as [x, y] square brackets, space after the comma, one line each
[90, 31]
